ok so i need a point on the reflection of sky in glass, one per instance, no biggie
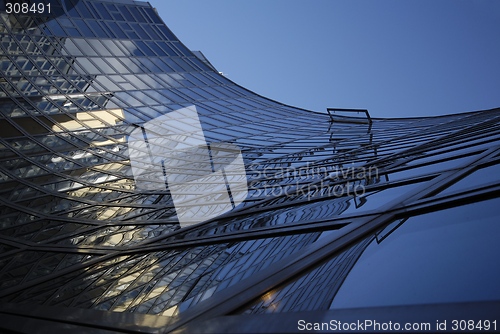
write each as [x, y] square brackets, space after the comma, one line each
[444, 256]
[429, 169]
[480, 177]
[375, 200]
[72, 97]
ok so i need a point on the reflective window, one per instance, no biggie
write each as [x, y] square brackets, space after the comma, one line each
[100, 10]
[440, 257]
[76, 89]
[481, 177]
[84, 28]
[425, 259]
[431, 168]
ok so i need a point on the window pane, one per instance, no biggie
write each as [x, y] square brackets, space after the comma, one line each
[439, 257]
[483, 176]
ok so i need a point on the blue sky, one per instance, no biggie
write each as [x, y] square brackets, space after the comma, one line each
[395, 58]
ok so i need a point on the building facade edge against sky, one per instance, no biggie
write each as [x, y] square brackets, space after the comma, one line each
[90, 233]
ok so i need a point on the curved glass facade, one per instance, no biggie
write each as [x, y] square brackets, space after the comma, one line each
[283, 210]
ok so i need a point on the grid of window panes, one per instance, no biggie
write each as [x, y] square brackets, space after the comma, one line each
[76, 232]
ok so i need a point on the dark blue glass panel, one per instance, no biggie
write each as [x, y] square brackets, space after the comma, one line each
[116, 30]
[70, 5]
[126, 14]
[156, 48]
[167, 49]
[151, 32]
[84, 28]
[137, 28]
[110, 7]
[117, 16]
[161, 64]
[82, 9]
[99, 32]
[106, 29]
[482, 177]
[73, 32]
[431, 168]
[200, 64]
[184, 65]
[155, 18]
[145, 16]
[99, 9]
[173, 65]
[439, 257]
[55, 28]
[184, 51]
[132, 35]
[137, 14]
[166, 32]
[93, 11]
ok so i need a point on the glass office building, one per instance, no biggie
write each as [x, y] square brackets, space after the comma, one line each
[346, 216]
